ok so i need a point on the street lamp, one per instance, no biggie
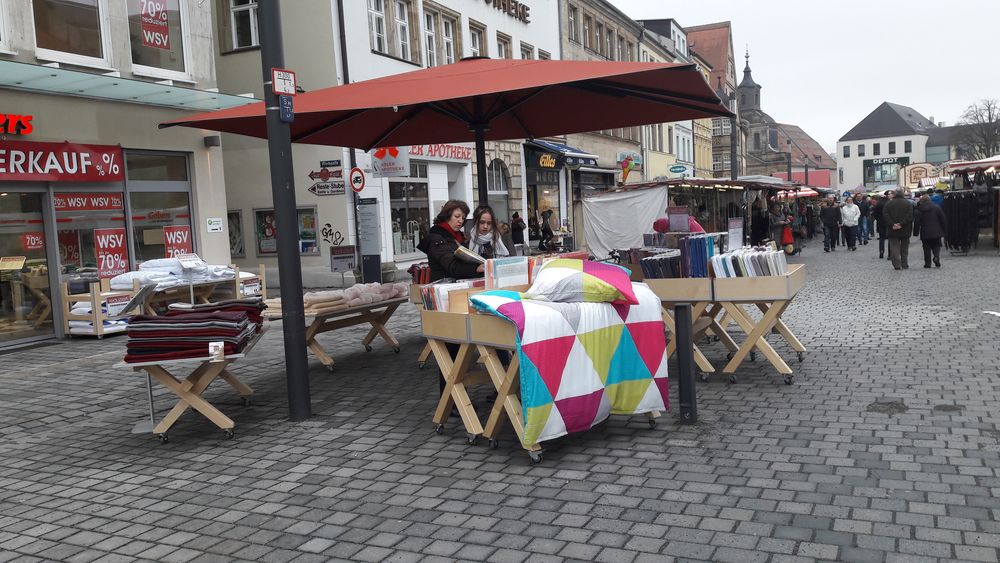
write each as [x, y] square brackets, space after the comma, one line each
[732, 137]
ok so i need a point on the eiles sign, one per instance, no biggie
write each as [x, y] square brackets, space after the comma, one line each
[513, 8]
[546, 160]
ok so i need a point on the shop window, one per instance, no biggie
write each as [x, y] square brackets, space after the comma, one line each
[847, 151]
[574, 21]
[93, 240]
[476, 46]
[503, 46]
[409, 210]
[237, 245]
[907, 146]
[161, 224]
[156, 167]
[876, 149]
[157, 37]
[24, 279]
[266, 230]
[861, 150]
[72, 32]
[881, 173]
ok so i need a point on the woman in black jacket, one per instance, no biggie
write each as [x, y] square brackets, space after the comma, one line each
[443, 239]
[930, 225]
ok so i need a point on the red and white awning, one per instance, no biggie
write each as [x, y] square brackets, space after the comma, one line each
[794, 194]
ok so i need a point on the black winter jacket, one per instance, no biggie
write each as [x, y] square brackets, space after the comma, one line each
[898, 210]
[830, 215]
[439, 246]
[929, 221]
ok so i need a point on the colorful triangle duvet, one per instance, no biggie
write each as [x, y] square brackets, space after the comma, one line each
[581, 362]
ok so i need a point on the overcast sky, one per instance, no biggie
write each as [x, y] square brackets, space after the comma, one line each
[824, 66]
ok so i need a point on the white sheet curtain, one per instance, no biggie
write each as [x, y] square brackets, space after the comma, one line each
[618, 220]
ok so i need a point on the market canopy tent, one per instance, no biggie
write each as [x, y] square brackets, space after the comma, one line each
[482, 99]
[795, 194]
[983, 165]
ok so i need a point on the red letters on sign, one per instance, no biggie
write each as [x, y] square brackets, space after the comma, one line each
[15, 124]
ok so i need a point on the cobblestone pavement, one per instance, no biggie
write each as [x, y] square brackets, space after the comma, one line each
[884, 449]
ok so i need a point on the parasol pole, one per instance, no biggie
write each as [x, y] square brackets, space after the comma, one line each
[480, 133]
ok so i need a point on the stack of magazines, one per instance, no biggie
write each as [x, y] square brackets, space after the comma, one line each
[664, 265]
[750, 262]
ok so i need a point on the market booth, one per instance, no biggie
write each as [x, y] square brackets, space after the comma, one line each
[972, 205]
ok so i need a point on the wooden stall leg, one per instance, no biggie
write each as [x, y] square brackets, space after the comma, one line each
[242, 388]
[378, 327]
[455, 392]
[424, 354]
[699, 358]
[507, 383]
[783, 329]
[189, 392]
[756, 334]
[311, 331]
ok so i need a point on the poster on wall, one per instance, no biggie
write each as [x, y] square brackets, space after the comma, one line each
[176, 240]
[155, 25]
[267, 232]
[390, 162]
[308, 243]
[33, 241]
[69, 248]
[111, 252]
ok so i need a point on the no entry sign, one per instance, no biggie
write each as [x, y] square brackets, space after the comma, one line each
[357, 179]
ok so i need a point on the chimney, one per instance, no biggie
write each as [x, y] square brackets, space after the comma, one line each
[931, 119]
[940, 123]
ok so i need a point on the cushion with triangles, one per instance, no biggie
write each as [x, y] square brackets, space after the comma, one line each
[582, 281]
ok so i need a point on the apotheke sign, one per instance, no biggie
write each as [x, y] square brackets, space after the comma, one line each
[513, 8]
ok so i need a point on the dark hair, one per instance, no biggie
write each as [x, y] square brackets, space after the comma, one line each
[478, 213]
[516, 215]
[449, 208]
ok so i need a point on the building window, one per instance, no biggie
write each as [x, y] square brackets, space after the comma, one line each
[448, 26]
[243, 20]
[588, 30]
[610, 44]
[756, 141]
[266, 230]
[574, 21]
[498, 184]
[376, 25]
[237, 245]
[527, 51]
[503, 47]
[907, 146]
[876, 149]
[476, 46]
[599, 47]
[720, 162]
[621, 48]
[403, 29]
[720, 126]
[847, 151]
[840, 175]
[892, 148]
[861, 150]
[630, 50]
[430, 38]
[543, 55]
[71, 32]
[409, 209]
[157, 38]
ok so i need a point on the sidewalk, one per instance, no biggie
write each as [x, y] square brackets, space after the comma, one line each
[816, 470]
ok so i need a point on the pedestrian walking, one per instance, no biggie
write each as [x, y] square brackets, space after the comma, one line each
[777, 220]
[517, 227]
[850, 216]
[880, 226]
[930, 225]
[898, 214]
[830, 217]
[864, 225]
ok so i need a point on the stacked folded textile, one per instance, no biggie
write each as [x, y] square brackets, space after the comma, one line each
[186, 335]
[332, 300]
[167, 272]
[253, 306]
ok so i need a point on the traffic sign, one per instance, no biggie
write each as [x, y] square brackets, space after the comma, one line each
[286, 110]
[327, 188]
[323, 175]
[282, 82]
[357, 179]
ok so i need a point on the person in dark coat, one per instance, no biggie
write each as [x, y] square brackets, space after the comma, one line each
[930, 225]
[443, 239]
[864, 223]
[898, 215]
[517, 227]
[880, 226]
[830, 216]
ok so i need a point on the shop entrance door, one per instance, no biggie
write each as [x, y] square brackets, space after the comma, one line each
[26, 303]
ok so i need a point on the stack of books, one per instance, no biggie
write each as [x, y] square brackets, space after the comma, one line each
[750, 262]
[434, 296]
[664, 265]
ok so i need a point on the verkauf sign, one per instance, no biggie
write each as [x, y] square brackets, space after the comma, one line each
[28, 161]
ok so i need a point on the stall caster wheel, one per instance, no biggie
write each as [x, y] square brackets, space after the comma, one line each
[396, 349]
[753, 356]
[439, 429]
[703, 377]
[729, 356]
[330, 368]
[716, 338]
[732, 379]
[368, 347]
[470, 439]
[652, 423]
[536, 457]
[421, 365]
[246, 401]
[801, 356]
[788, 380]
[230, 434]
[163, 438]
[494, 443]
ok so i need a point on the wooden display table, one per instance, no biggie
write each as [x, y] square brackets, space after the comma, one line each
[771, 295]
[190, 390]
[37, 284]
[698, 292]
[417, 300]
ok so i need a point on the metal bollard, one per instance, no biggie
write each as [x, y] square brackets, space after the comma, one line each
[685, 364]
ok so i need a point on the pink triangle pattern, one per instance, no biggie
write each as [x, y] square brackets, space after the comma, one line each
[579, 412]
[549, 358]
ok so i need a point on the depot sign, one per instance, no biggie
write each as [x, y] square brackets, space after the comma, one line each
[59, 162]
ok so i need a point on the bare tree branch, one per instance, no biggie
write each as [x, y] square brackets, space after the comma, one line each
[980, 138]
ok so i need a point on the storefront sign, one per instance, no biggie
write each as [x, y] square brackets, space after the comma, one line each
[441, 152]
[59, 162]
[888, 160]
[390, 162]
[214, 224]
[342, 258]
[513, 8]
[176, 240]
[87, 202]
[111, 252]
[546, 160]
[155, 27]
[14, 124]
[69, 247]
[33, 241]
[328, 188]
[8, 263]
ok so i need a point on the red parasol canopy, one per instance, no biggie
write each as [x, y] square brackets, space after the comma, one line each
[794, 194]
[480, 99]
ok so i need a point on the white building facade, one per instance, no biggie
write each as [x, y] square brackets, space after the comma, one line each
[875, 163]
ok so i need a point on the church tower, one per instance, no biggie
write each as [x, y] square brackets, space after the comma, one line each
[748, 92]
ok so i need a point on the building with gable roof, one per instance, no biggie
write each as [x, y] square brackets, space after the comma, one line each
[871, 153]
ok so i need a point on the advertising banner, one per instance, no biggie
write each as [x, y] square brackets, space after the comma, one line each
[33, 240]
[390, 162]
[176, 240]
[87, 202]
[28, 161]
[69, 247]
[154, 24]
[111, 251]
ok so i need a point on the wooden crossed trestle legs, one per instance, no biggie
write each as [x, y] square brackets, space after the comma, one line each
[333, 321]
[456, 377]
[757, 332]
[189, 393]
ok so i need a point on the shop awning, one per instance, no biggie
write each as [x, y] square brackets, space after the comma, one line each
[573, 156]
[598, 170]
[54, 80]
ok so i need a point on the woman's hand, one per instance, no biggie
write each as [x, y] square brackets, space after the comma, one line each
[481, 268]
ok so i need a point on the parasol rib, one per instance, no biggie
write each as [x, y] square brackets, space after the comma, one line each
[298, 138]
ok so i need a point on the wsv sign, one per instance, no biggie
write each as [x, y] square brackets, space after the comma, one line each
[155, 26]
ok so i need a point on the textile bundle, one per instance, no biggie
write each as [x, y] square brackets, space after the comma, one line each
[581, 362]
[187, 334]
[167, 272]
[324, 302]
[253, 306]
